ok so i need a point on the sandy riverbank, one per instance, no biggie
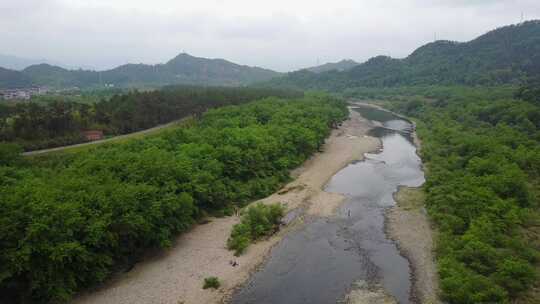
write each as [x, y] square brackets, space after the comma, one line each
[176, 275]
[408, 225]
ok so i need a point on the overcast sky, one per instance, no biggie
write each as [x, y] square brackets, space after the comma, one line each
[279, 34]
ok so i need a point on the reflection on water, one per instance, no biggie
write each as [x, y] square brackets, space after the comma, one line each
[319, 262]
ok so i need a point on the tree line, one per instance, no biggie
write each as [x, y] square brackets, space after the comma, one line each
[68, 220]
[38, 125]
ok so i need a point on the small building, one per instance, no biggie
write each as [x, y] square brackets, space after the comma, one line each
[92, 135]
[36, 91]
[23, 95]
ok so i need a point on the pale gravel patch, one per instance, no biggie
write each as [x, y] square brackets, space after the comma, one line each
[363, 293]
[176, 275]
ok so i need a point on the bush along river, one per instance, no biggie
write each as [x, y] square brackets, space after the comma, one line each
[328, 259]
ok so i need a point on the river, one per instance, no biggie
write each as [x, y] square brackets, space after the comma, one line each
[321, 261]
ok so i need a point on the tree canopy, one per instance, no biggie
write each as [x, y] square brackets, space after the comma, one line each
[59, 122]
[66, 221]
[481, 148]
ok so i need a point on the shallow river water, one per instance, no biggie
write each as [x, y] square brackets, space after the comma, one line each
[319, 262]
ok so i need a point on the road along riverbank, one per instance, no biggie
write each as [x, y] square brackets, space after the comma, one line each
[114, 139]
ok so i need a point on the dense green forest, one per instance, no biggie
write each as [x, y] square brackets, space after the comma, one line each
[183, 69]
[502, 56]
[481, 148]
[58, 122]
[67, 220]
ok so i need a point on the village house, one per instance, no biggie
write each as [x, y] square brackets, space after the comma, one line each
[92, 135]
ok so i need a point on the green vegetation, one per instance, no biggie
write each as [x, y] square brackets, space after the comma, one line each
[10, 154]
[211, 282]
[67, 221]
[257, 221]
[417, 94]
[530, 91]
[502, 56]
[411, 199]
[57, 123]
[77, 96]
[482, 152]
[13, 79]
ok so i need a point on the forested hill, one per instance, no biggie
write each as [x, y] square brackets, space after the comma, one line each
[13, 79]
[183, 69]
[505, 55]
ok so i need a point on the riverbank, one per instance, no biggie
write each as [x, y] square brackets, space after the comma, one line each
[176, 275]
[408, 225]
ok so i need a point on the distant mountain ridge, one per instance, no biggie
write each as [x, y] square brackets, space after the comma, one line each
[20, 63]
[342, 65]
[505, 55]
[183, 69]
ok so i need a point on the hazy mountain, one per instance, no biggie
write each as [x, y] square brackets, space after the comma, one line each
[20, 63]
[183, 69]
[504, 55]
[17, 63]
[342, 65]
[57, 77]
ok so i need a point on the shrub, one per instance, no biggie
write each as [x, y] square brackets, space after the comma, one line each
[257, 221]
[211, 282]
[9, 153]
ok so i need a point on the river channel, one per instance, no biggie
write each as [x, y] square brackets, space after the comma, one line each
[323, 259]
